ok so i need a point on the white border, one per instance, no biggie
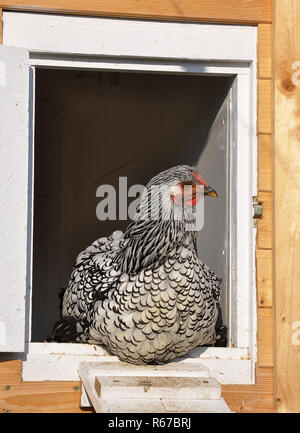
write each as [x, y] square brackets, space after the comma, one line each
[58, 41]
[91, 36]
[60, 361]
[14, 92]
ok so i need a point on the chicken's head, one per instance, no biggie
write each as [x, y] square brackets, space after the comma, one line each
[174, 192]
[166, 212]
[188, 188]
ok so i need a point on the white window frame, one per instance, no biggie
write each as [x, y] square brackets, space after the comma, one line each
[59, 41]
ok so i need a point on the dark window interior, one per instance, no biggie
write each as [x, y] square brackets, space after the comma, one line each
[92, 127]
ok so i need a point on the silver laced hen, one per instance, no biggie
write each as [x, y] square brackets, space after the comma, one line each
[145, 294]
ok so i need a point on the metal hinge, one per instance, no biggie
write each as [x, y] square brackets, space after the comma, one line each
[257, 210]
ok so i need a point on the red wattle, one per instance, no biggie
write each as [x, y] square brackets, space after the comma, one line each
[192, 202]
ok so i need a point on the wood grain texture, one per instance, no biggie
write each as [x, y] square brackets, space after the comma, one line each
[233, 11]
[264, 225]
[10, 373]
[252, 398]
[264, 337]
[265, 168]
[249, 402]
[264, 278]
[39, 396]
[265, 379]
[286, 51]
[18, 396]
[264, 120]
[264, 50]
[1, 27]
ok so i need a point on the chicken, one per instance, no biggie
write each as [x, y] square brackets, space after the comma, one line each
[144, 293]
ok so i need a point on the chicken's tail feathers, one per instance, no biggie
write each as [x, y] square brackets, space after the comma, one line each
[67, 330]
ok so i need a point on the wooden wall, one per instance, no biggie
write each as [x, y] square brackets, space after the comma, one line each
[229, 11]
[17, 396]
[0, 26]
[287, 203]
[259, 397]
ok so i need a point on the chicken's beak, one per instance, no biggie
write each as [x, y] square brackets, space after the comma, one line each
[208, 190]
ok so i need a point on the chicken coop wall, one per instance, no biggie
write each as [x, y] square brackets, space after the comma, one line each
[19, 396]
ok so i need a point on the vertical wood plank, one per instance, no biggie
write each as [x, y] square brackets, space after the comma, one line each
[264, 278]
[264, 225]
[264, 121]
[1, 27]
[264, 337]
[264, 50]
[286, 51]
[265, 162]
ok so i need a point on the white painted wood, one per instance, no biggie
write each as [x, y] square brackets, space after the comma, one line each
[28, 303]
[14, 91]
[231, 371]
[65, 61]
[59, 361]
[174, 387]
[241, 301]
[147, 387]
[95, 43]
[108, 368]
[244, 215]
[80, 349]
[67, 349]
[128, 38]
[254, 187]
[161, 406]
[84, 398]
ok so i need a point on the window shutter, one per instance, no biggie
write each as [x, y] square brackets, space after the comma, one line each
[14, 224]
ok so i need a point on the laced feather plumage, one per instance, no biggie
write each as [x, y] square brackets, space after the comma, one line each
[144, 294]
